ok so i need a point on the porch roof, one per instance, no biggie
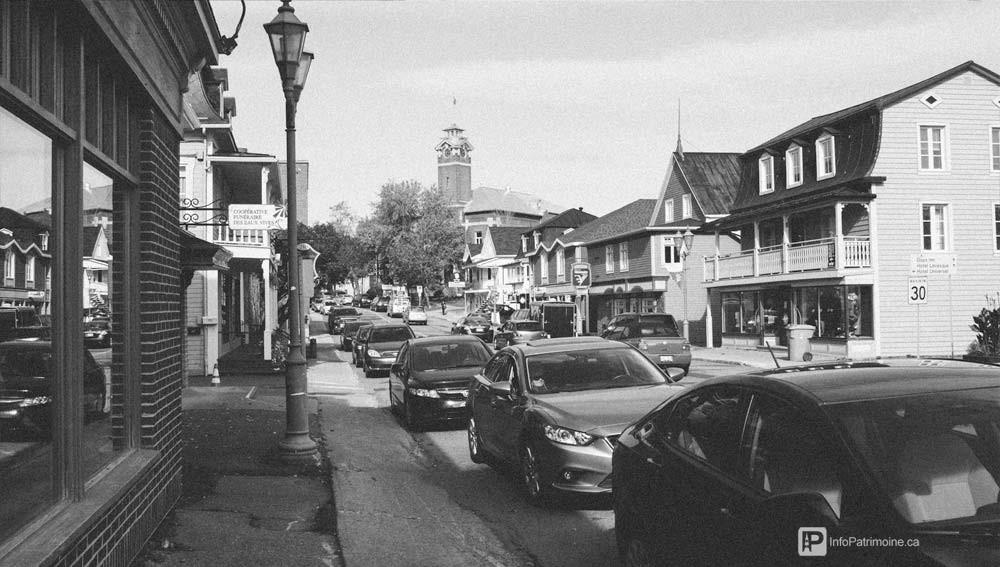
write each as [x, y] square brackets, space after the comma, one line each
[852, 192]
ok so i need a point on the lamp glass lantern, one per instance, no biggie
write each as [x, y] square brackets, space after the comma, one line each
[302, 73]
[288, 37]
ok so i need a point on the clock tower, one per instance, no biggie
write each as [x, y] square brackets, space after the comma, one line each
[455, 166]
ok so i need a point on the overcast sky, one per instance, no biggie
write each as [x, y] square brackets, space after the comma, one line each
[575, 102]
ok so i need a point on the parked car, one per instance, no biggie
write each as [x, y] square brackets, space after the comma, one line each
[339, 316]
[429, 381]
[474, 325]
[380, 305]
[361, 300]
[415, 315]
[518, 332]
[734, 468]
[97, 333]
[655, 334]
[358, 348]
[327, 305]
[21, 322]
[398, 306]
[26, 390]
[555, 408]
[348, 333]
[382, 343]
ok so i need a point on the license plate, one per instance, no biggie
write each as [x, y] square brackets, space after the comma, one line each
[454, 404]
[666, 358]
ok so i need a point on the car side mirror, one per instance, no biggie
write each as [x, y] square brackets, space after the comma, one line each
[500, 389]
[675, 374]
[396, 368]
[796, 509]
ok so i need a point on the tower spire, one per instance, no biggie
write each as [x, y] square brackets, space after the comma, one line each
[680, 149]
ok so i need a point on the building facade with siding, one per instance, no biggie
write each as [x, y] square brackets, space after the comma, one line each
[840, 216]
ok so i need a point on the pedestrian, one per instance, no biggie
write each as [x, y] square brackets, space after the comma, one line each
[444, 308]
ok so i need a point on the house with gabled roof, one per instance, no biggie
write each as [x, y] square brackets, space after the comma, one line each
[878, 225]
[487, 282]
[27, 261]
[635, 255]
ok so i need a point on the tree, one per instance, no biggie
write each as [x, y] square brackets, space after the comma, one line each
[413, 234]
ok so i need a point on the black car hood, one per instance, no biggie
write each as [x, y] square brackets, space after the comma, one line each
[603, 412]
[446, 376]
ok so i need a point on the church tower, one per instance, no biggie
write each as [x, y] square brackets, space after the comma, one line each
[455, 166]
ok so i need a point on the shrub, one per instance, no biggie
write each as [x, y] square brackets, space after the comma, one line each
[987, 328]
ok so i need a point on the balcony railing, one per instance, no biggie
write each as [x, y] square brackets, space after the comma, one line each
[243, 237]
[810, 255]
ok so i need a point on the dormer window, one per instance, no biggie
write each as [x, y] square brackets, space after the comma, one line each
[826, 159]
[765, 170]
[524, 243]
[793, 166]
[479, 237]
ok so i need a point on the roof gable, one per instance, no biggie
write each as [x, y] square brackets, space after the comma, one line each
[630, 218]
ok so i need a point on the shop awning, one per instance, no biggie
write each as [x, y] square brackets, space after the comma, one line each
[198, 254]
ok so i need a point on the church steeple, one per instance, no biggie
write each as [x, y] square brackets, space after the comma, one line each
[455, 165]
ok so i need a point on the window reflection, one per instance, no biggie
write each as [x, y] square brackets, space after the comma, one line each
[98, 329]
[26, 396]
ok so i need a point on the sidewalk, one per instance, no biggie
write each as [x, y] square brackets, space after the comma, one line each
[370, 498]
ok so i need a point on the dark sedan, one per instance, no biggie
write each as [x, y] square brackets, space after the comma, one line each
[475, 325]
[381, 345]
[783, 467]
[26, 387]
[555, 407]
[339, 316]
[97, 333]
[430, 379]
[350, 330]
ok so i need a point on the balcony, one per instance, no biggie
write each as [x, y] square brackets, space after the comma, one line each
[824, 254]
[225, 236]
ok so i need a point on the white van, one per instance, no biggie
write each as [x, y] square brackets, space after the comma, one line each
[398, 306]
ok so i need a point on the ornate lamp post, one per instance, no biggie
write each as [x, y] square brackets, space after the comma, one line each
[288, 36]
[686, 240]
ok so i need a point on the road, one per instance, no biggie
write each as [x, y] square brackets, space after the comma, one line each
[573, 532]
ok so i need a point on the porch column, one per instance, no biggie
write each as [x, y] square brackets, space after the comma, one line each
[244, 286]
[716, 259]
[270, 307]
[756, 248]
[838, 217]
[211, 321]
[709, 332]
[785, 241]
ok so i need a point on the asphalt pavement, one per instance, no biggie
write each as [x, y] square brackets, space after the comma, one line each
[369, 498]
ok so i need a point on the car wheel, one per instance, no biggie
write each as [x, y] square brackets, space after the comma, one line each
[409, 419]
[531, 476]
[477, 452]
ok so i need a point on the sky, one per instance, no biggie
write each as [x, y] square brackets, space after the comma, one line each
[579, 103]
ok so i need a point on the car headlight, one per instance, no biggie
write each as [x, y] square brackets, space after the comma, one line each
[374, 353]
[567, 436]
[424, 393]
[39, 401]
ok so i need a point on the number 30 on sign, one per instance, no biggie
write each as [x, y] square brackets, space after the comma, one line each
[916, 291]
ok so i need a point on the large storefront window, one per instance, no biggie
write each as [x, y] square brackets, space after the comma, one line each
[837, 312]
[27, 399]
[99, 232]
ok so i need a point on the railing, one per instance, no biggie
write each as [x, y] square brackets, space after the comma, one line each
[242, 237]
[809, 255]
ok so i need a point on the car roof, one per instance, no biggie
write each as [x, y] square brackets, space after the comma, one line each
[385, 324]
[566, 344]
[834, 383]
[23, 344]
[444, 340]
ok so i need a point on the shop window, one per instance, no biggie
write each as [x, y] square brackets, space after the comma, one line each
[837, 312]
[740, 313]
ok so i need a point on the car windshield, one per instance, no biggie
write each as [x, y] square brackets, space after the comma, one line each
[390, 334]
[595, 369]
[25, 363]
[96, 326]
[476, 322]
[347, 311]
[416, 310]
[528, 326]
[657, 327]
[936, 456]
[453, 355]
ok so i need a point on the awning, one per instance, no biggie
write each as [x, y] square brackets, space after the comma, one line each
[198, 254]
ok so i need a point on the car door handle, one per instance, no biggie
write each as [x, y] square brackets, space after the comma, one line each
[727, 513]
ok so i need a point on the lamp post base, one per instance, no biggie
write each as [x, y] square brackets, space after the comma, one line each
[297, 448]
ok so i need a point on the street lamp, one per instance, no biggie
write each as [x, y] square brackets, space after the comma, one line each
[288, 36]
[686, 240]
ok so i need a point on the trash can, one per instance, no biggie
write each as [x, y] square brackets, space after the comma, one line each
[798, 342]
[311, 349]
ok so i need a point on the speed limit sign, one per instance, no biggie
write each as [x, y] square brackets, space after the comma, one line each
[916, 290]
